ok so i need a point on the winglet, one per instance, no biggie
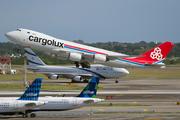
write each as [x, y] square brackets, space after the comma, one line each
[32, 93]
[91, 89]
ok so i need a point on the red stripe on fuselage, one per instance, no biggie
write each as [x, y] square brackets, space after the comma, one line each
[139, 60]
[85, 49]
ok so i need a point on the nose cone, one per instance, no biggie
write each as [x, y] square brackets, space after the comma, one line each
[11, 35]
[126, 72]
[8, 35]
[123, 72]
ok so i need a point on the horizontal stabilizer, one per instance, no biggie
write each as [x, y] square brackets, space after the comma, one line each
[89, 101]
[30, 104]
[159, 64]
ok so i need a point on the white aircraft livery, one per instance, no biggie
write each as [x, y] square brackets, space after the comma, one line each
[27, 101]
[76, 74]
[86, 97]
[83, 54]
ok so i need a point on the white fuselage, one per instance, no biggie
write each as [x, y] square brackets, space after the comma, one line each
[104, 72]
[62, 103]
[9, 105]
[62, 48]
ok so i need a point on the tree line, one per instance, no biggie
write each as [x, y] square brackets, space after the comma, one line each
[9, 48]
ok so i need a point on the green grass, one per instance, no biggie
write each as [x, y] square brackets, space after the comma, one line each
[104, 112]
[43, 87]
[140, 73]
[117, 104]
[135, 73]
[20, 76]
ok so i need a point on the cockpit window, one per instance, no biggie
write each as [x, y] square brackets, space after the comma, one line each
[18, 30]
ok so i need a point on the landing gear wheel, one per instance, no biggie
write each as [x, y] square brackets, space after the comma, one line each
[18, 50]
[86, 81]
[116, 81]
[77, 64]
[25, 115]
[33, 115]
[73, 81]
[85, 65]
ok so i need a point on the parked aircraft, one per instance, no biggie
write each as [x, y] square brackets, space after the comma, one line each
[84, 54]
[27, 101]
[86, 97]
[76, 74]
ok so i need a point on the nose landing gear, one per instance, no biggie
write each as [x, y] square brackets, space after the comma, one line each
[116, 80]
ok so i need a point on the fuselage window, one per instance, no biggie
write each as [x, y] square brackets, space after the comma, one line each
[97, 68]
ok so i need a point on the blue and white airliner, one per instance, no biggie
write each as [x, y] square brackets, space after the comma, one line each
[29, 100]
[74, 73]
[86, 97]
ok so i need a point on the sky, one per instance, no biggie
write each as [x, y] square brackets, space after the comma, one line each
[94, 20]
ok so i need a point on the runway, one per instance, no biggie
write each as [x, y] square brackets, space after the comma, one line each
[158, 95]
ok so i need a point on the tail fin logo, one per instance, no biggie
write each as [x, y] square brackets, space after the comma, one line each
[156, 54]
[88, 92]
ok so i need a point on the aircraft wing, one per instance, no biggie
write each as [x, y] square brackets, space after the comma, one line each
[89, 56]
[66, 74]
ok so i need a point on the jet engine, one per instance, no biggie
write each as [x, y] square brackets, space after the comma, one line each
[77, 78]
[75, 56]
[99, 58]
[54, 77]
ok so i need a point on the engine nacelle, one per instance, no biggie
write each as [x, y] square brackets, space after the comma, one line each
[99, 58]
[77, 78]
[54, 77]
[75, 56]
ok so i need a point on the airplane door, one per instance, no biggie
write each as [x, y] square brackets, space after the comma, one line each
[75, 102]
[15, 105]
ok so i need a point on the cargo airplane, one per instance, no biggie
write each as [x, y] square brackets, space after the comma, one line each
[27, 101]
[84, 55]
[76, 74]
[86, 97]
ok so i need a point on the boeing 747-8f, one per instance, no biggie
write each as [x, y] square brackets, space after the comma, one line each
[83, 54]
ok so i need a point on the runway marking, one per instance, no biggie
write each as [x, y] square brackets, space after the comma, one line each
[100, 109]
[120, 95]
[154, 118]
[146, 96]
[157, 96]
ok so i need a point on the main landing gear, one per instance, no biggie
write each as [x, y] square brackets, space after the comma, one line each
[83, 64]
[116, 80]
[25, 115]
[85, 81]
